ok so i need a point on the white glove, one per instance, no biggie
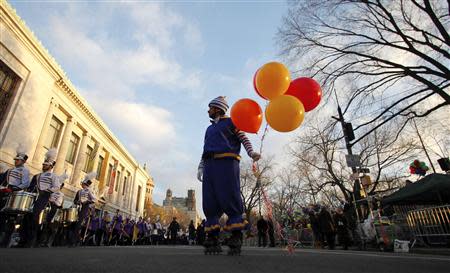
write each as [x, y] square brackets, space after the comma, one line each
[255, 156]
[200, 174]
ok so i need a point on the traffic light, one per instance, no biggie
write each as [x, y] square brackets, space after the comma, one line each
[348, 131]
[444, 163]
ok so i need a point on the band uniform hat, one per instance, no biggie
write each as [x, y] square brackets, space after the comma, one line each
[50, 157]
[87, 182]
[21, 156]
[220, 103]
[88, 178]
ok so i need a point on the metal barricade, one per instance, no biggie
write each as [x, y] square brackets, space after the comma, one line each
[432, 224]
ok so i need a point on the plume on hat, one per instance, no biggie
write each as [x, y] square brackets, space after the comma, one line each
[21, 149]
[89, 177]
[21, 152]
[50, 156]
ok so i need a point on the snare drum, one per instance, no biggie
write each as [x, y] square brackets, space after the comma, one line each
[19, 202]
[70, 215]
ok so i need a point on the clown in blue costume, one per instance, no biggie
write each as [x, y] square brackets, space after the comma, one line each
[219, 172]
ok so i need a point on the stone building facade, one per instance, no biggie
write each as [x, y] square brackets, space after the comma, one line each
[41, 109]
[187, 205]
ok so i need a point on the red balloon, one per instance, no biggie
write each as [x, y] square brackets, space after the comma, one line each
[246, 115]
[254, 85]
[307, 90]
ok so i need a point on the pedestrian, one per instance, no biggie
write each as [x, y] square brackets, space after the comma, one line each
[271, 233]
[191, 232]
[200, 233]
[342, 228]
[317, 233]
[173, 229]
[219, 172]
[262, 227]
[327, 227]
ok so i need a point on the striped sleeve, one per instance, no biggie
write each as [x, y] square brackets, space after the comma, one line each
[245, 141]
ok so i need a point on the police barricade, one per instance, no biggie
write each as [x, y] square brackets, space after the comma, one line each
[431, 225]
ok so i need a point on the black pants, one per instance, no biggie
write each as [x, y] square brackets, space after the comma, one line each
[330, 239]
[82, 215]
[99, 236]
[272, 239]
[39, 205]
[262, 238]
[173, 238]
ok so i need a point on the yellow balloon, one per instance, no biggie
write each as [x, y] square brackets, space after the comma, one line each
[272, 80]
[285, 113]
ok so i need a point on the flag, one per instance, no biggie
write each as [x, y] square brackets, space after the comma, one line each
[112, 178]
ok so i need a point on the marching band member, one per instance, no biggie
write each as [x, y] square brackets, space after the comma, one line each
[103, 229]
[116, 229]
[56, 201]
[17, 178]
[84, 198]
[44, 184]
[14, 179]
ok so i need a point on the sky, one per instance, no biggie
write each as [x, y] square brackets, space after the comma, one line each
[150, 68]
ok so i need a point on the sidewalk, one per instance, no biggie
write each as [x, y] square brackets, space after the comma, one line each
[431, 250]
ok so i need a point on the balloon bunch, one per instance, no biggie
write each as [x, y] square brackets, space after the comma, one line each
[418, 167]
[288, 100]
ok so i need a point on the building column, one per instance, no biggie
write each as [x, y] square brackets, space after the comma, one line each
[38, 154]
[81, 159]
[60, 159]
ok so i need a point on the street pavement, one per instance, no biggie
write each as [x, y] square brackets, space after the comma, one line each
[188, 259]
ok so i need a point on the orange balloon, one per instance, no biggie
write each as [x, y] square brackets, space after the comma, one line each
[272, 80]
[246, 115]
[285, 113]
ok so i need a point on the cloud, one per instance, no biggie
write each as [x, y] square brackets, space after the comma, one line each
[123, 68]
[148, 60]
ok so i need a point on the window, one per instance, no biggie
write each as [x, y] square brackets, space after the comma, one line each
[108, 177]
[99, 167]
[53, 134]
[8, 83]
[124, 187]
[116, 187]
[138, 198]
[73, 147]
[89, 160]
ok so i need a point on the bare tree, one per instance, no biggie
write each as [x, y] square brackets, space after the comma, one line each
[391, 57]
[287, 194]
[320, 152]
[251, 183]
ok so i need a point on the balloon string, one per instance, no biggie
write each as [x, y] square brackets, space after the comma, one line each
[267, 203]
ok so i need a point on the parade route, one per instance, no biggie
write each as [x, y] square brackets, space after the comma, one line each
[191, 259]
